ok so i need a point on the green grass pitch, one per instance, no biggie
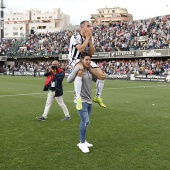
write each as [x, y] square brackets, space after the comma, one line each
[131, 133]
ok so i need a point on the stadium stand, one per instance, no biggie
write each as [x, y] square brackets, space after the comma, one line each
[114, 37]
[147, 34]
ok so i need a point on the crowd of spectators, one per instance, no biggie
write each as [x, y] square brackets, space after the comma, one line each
[136, 66]
[114, 37]
[123, 36]
[31, 66]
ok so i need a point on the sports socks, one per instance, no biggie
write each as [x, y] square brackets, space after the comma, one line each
[99, 87]
[77, 86]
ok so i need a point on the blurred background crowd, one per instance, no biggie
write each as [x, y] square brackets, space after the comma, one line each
[114, 37]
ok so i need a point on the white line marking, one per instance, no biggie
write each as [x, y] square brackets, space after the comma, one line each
[26, 94]
[136, 87]
[29, 94]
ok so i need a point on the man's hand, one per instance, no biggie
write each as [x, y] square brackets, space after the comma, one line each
[88, 33]
[104, 76]
[53, 71]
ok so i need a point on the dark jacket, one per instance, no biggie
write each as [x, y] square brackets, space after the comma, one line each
[58, 78]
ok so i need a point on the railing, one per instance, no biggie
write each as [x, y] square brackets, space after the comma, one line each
[17, 44]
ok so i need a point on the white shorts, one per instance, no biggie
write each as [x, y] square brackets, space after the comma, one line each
[73, 63]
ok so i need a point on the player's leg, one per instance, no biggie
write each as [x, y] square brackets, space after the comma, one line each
[101, 76]
[78, 85]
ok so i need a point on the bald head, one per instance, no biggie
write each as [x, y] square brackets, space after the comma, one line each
[55, 62]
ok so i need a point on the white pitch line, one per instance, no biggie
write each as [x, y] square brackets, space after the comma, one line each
[29, 94]
[136, 87]
[26, 94]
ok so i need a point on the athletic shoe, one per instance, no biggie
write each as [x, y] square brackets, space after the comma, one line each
[41, 118]
[66, 118]
[83, 147]
[99, 101]
[88, 144]
[79, 104]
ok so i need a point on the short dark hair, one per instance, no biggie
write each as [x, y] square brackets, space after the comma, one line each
[82, 22]
[85, 54]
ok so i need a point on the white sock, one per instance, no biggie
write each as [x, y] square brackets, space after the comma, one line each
[77, 86]
[99, 87]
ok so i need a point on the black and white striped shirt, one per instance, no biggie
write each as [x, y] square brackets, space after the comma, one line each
[76, 39]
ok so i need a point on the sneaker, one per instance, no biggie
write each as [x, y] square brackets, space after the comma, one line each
[66, 118]
[88, 144]
[83, 147]
[79, 104]
[41, 118]
[99, 101]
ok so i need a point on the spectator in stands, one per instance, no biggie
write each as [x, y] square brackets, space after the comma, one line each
[35, 70]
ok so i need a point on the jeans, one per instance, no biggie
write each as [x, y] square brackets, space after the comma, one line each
[84, 114]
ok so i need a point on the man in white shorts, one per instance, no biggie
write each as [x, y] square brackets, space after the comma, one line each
[80, 42]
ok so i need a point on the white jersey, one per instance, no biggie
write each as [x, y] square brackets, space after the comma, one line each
[74, 53]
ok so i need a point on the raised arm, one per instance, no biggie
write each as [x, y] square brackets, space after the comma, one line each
[72, 75]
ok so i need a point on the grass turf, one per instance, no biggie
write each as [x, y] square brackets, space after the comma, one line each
[130, 134]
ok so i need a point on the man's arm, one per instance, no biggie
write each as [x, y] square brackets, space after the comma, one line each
[60, 76]
[92, 49]
[82, 47]
[72, 75]
[47, 73]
